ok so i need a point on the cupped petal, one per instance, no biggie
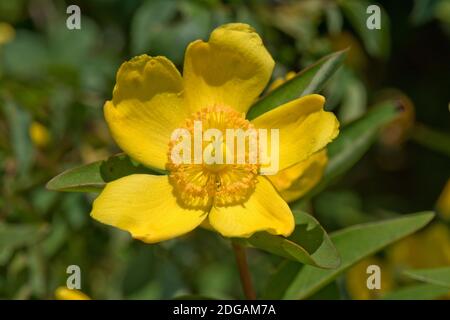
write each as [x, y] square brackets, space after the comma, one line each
[304, 128]
[265, 210]
[145, 206]
[145, 109]
[231, 69]
[295, 181]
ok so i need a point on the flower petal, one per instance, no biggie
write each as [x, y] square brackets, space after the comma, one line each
[64, 293]
[145, 109]
[231, 69]
[298, 179]
[265, 210]
[145, 206]
[304, 128]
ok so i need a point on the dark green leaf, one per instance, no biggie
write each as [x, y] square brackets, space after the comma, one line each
[93, 177]
[376, 41]
[309, 80]
[308, 244]
[353, 244]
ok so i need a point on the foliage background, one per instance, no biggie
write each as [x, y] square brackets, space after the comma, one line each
[53, 83]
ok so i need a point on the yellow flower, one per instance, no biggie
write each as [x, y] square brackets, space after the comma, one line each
[221, 79]
[427, 249]
[7, 33]
[295, 181]
[64, 293]
[443, 203]
[39, 134]
[356, 280]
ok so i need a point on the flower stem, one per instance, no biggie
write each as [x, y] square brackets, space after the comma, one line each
[246, 280]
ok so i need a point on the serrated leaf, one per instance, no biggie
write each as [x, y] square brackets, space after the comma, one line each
[94, 176]
[308, 81]
[435, 276]
[308, 244]
[353, 244]
[417, 292]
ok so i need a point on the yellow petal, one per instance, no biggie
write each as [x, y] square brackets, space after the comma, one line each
[295, 181]
[281, 80]
[145, 109]
[265, 210]
[304, 128]
[145, 206]
[231, 69]
[64, 293]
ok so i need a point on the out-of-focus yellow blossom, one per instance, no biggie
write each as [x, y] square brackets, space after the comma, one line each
[443, 203]
[221, 80]
[356, 280]
[7, 33]
[427, 249]
[39, 134]
[64, 293]
[90, 154]
[295, 181]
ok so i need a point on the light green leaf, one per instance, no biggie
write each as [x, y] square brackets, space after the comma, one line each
[354, 244]
[309, 80]
[436, 276]
[417, 292]
[94, 176]
[352, 143]
[354, 102]
[308, 244]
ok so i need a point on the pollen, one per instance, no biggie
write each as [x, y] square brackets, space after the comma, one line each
[215, 171]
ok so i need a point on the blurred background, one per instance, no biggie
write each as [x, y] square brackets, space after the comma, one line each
[54, 81]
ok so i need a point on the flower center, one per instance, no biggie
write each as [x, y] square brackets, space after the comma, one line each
[217, 171]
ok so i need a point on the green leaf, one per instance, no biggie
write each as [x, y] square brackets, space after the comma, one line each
[309, 80]
[94, 176]
[308, 244]
[14, 236]
[417, 292]
[19, 121]
[354, 244]
[376, 41]
[436, 276]
[433, 139]
[352, 143]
